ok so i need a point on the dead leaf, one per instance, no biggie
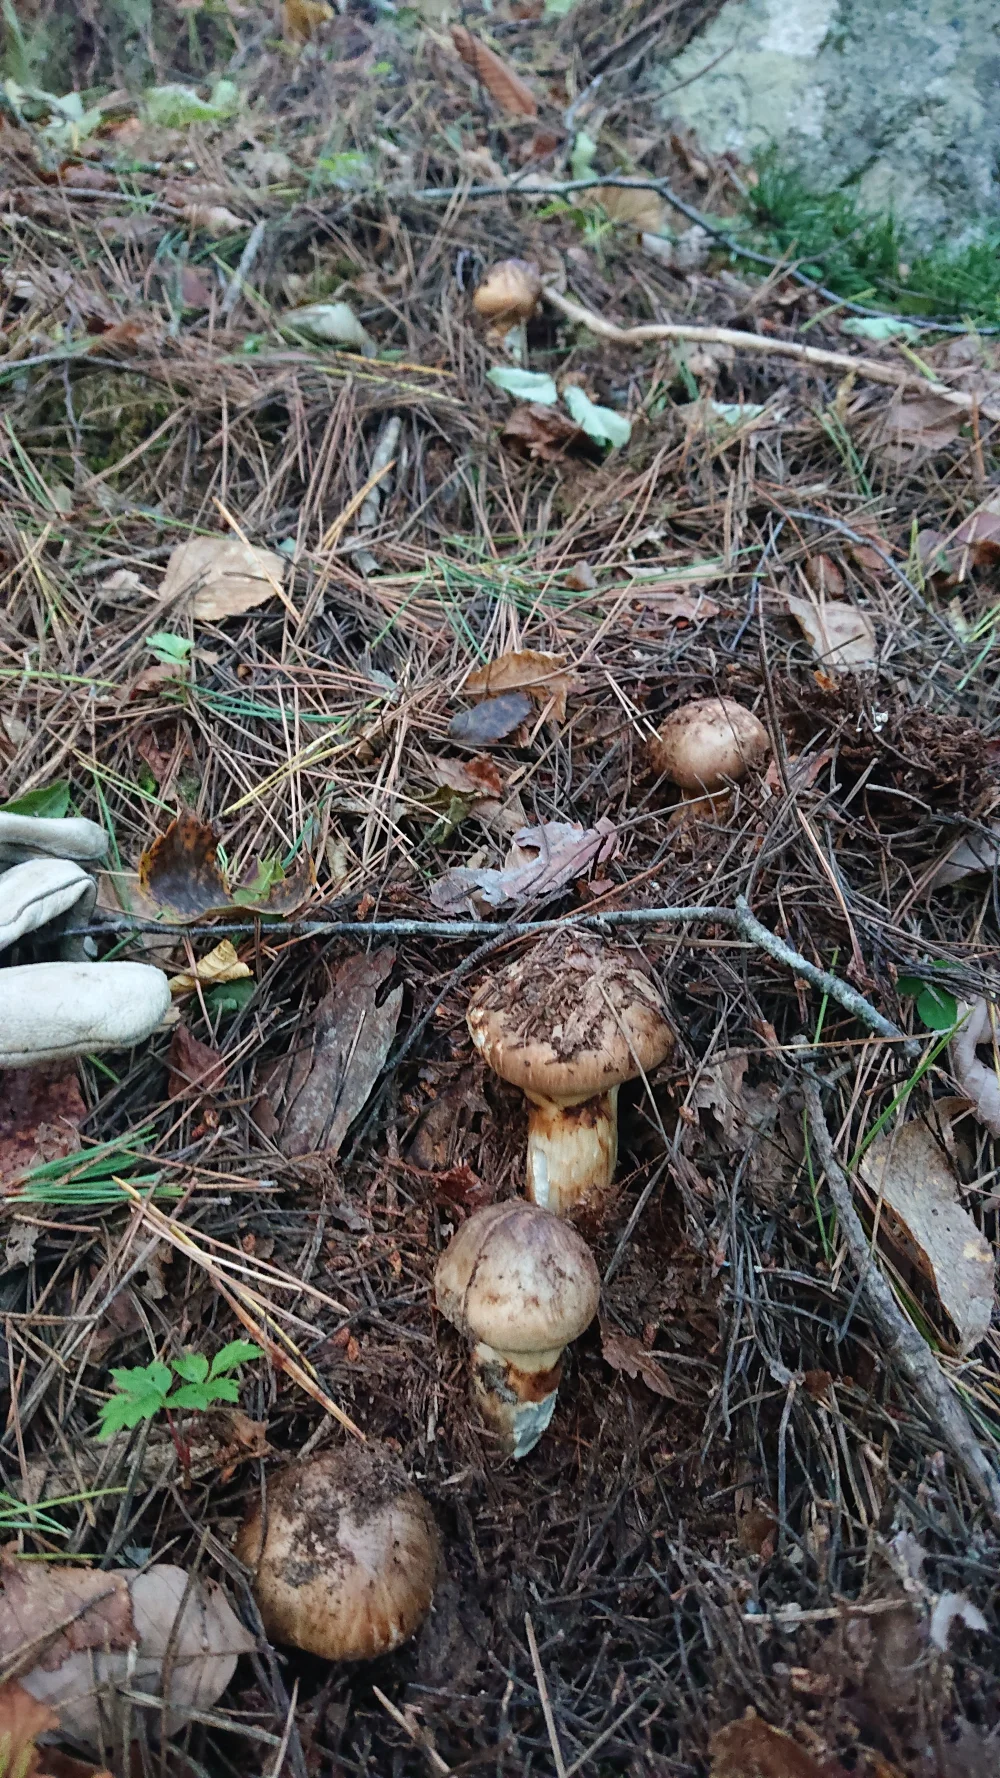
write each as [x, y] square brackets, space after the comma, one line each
[541, 861]
[475, 777]
[35, 1597]
[926, 423]
[511, 93]
[195, 1067]
[214, 220]
[543, 433]
[718, 1088]
[975, 853]
[824, 577]
[750, 1748]
[839, 634]
[644, 211]
[313, 1095]
[540, 675]
[179, 874]
[624, 1353]
[222, 577]
[581, 578]
[41, 1110]
[221, 965]
[63, 1765]
[301, 18]
[491, 721]
[460, 1185]
[22, 1720]
[196, 292]
[951, 1608]
[977, 539]
[161, 673]
[907, 1170]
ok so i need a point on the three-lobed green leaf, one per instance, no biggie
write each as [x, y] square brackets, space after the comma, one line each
[145, 1390]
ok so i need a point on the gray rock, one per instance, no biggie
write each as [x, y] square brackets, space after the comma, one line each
[902, 99]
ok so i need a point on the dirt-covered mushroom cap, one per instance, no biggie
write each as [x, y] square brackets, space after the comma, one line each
[347, 1564]
[708, 744]
[509, 291]
[569, 1019]
[518, 1279]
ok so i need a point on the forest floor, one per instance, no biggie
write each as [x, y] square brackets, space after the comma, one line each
[744, 1500]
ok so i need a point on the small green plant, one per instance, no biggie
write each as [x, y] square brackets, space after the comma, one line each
[187, 1384]
[937, 1007]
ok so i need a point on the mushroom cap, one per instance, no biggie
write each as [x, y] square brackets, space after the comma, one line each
[709, 743]
[510, 289]
[349, 1558]
[518, 1279]
[569, 1019]
[52, 1010]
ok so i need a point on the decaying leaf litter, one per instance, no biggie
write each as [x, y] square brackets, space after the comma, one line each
[740, 1503]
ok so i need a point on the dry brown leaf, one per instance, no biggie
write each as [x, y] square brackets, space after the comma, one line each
[195, 1067]
[313, 1095]
[541, 861]
[540, 675]
[179, 874]
[750, 1748]
[214, 219]
[839, 634]
[624, 1353]
[41, 1110]
[221, 965]
[644, 211]
[478, 776]
[921, 423]
[976, 853]
[906, 1168]
[511, 93]
[222, 577]
[301, 18]
[36, 1597]
[824, 577]
[22, 1720]
[718, 1088]
[540, 432]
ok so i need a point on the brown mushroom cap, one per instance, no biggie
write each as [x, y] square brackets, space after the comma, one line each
[569, 1019]
[510, 290]
[350, 1557]
[709, 743]
[519, 1279]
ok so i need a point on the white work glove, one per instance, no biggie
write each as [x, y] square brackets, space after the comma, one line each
[51, 1011]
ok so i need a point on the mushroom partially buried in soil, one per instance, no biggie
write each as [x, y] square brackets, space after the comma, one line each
[345, 1555]
[709, 744]
[567, 1023]
[509, 292]
[521, 1284]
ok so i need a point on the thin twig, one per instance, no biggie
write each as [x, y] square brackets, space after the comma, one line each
[769, 346]
[901, 1342]
[543, 1693]
[436, 1763]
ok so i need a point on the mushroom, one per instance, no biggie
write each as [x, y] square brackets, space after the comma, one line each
[708, 744]
[345, 1555]
[568, 1022]
[50, 1011]
[521, 1284]
[509, 292]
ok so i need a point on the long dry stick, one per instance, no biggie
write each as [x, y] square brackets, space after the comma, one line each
[902, 1344]
[775, 348]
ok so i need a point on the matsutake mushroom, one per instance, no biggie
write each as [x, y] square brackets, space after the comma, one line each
[344, 1553]
[709, 744]
[568, 1022]
[520, 1284]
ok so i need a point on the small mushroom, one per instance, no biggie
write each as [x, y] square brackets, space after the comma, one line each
[345, 1555]
[521, 1284]
[509, 292]
[50, 1011]
[567, 1023]
[708, 744]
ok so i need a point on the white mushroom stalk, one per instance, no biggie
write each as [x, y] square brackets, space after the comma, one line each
[521, 1284]
[569, 1022]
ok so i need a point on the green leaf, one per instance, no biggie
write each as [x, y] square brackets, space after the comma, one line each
[909, 984]
[733, 413]
[937, 1008]
[599, 423]
[269, 872]
[196, 1396]
[174, 106]
[524, 385]
[144, 1377]
[52, 801]
[880, 327]
[170, 649]
[192, 1367]
[237, 1352]
[230, 996]
[349, 171]
[119, 1412]
[581, 161]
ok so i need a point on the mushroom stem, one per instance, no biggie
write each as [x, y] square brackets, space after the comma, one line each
[516, 1393]
[572, 1152]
